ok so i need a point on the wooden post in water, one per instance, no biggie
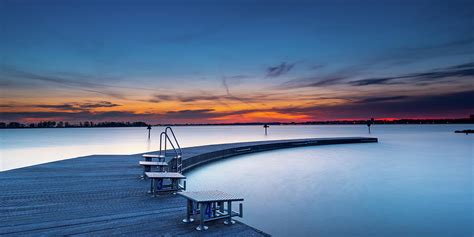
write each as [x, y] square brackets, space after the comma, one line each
[266, 126]
[369, 123]
[149, 131]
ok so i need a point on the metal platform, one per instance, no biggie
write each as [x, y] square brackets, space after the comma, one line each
[210, 206]
[153, 163]
[165, 182]
[210, 196]
[165, 175]
[147, 166]
[149, 157]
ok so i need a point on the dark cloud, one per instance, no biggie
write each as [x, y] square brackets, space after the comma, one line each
[401, 56]
[191, 114]
[334, 78]
[375, 81]
[444, 105]
[191, 98]
[78, 116]
[463, 70]
[279, 70]
[315, 81]
[98, 104]
[59, 107]
[79, 106]
[462, 66]
[345, 75]
[195, 98]
[381, 99]
[11, 77]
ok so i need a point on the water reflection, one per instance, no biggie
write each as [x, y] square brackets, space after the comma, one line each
[417, 181]
[23, 147]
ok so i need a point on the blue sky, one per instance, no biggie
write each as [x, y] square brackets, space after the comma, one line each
[275, 55]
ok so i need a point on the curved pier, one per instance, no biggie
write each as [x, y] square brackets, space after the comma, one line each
[103, 195]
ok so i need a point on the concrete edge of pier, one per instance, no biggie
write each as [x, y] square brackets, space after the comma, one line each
[235, 149]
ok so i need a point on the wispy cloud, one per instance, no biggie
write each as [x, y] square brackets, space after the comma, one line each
[76, 106]
[191, 98]
[441, 105]
[159, 98]
[381, 99]
[191, 114]
[11, 77]
[463, 70]
[278, 70]
[226, 86]
[77, 116]
[345, 76]
[321, 80]
[408, 55]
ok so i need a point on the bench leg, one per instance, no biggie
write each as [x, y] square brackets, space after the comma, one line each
[202, 210]
[221, 207]
[213, 208]
[144, 171]
[189, 212]
[152, 184]
[229, 221]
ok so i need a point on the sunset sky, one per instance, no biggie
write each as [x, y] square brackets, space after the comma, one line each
[235, 61]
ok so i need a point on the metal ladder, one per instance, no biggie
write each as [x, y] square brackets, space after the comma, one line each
[176, 148]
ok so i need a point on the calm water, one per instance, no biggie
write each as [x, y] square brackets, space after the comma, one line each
[417, 181]
[24, 147]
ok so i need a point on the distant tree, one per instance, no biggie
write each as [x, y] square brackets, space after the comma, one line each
[14, 125]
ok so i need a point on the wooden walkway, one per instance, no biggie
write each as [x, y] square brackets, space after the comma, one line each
[103, 195]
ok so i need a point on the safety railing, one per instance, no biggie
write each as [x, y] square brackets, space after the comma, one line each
[164, 139]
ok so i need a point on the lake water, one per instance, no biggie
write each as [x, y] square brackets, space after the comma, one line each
[417, 181]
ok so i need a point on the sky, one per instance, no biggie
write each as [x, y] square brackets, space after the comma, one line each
[235, 61]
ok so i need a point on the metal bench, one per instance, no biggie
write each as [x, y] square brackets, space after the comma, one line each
[148, 165]
[149, 157]
[210, 206]
[158, 185]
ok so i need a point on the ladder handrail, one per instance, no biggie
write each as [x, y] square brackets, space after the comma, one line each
[178, 151]
[167, 138]
[175, 140]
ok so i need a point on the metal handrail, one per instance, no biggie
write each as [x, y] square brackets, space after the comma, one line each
[167, 138]
[175, 140]
[164, 135]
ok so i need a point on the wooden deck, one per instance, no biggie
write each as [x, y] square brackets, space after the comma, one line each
[103, 195]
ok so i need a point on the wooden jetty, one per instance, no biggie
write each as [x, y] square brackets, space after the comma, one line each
[103, 194]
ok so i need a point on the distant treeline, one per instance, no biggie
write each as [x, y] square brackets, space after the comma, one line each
[88, 124]
[342, 122]
[85, 124]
